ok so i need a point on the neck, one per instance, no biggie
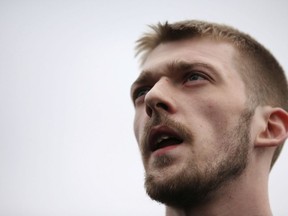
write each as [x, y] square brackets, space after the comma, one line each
[248, 195]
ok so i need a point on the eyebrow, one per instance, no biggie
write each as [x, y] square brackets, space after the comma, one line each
[172, 67]
[179, 66]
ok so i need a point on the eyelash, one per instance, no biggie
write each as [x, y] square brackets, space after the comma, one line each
[195, 73]
[140, 92]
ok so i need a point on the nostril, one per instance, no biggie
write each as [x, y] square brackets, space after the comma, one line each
[149, 111]
[162, 106]
[157, 108]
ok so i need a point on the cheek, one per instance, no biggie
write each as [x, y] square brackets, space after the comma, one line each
[138, 126]
[222, 113]
[217, 117]
[212, 120]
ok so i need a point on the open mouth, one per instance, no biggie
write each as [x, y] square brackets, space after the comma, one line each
[163, 137]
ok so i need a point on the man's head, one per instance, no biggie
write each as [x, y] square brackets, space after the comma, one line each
[198, 100]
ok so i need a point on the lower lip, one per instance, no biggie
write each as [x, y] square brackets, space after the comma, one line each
[164, 150]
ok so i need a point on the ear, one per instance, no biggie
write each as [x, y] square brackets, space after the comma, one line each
[275, 130]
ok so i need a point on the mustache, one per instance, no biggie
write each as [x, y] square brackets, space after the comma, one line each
[164, 120]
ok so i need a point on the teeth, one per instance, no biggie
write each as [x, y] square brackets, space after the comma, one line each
[162, 138]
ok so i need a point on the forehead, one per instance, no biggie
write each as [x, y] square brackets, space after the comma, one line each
[201, 50]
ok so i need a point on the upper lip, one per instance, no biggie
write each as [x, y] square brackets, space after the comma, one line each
[161, 133]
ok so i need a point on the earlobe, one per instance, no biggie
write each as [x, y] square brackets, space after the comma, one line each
[276, 128]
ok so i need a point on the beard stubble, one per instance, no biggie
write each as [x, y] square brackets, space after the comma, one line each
[191, 186]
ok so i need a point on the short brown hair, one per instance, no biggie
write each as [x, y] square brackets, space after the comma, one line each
[263, 76]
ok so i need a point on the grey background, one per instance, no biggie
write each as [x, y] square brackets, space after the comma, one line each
[66, 140]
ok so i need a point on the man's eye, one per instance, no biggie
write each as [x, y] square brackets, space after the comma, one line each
[195, 76]
[140, 92]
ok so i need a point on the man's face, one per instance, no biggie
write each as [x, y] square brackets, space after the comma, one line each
[192, 123]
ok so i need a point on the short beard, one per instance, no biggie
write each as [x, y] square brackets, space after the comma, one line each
[192, 186]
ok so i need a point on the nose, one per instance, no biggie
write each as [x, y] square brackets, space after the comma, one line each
[160, 98]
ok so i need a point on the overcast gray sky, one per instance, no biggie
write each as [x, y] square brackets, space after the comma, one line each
[66, 140]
